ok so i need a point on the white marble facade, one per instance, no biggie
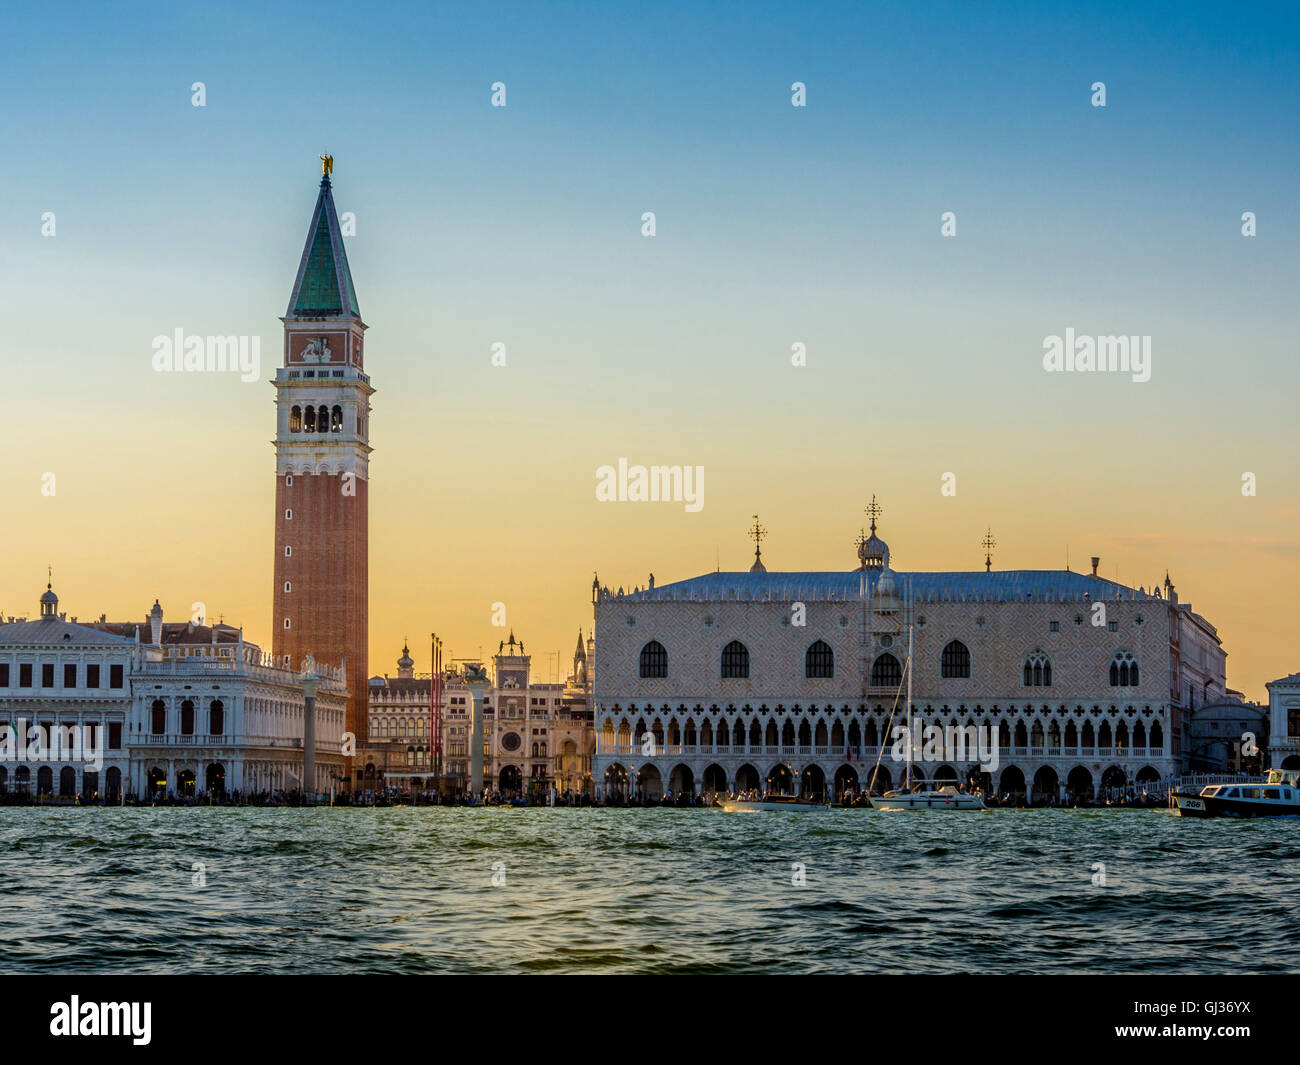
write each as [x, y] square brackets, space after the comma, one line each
[179, 709]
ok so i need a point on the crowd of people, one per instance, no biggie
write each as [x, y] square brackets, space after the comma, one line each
[1133, 797]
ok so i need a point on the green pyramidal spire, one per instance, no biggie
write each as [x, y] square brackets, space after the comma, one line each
[323, 287]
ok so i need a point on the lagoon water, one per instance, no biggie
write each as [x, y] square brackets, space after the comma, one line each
[643, 890]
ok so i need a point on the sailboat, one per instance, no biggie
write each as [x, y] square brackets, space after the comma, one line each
[908, 797]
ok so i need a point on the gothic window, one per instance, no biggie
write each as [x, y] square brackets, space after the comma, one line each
[295, 420]
[654, 660]
[955, 661]
[819, 661]
[1123, 671]
[323, 419]
[310, 425]
[886, 672]
[735, 660]
[336, 420]
[1038, 671]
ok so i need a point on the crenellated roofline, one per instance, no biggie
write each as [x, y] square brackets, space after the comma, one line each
[1042, 586]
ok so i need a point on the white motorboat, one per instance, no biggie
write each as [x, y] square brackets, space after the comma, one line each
[772, 803]
[1278, 797]
[944, 798]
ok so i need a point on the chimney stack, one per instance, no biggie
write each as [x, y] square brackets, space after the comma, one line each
[1096, 561]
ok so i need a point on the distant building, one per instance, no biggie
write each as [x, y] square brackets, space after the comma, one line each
[183, 709]
[537, 736]
[56, 673]
[1284, 722]
[794, 681]
[1227, 735]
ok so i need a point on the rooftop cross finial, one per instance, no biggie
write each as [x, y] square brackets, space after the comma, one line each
[49, 574]
[758, 534]
[988, 543]
[326, 165]
[873, 509]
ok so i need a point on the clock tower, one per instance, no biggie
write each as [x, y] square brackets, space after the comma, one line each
[322, 467]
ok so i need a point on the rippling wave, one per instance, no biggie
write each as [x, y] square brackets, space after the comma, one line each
[176, 890]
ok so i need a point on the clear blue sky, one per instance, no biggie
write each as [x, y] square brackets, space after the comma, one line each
[775, 225]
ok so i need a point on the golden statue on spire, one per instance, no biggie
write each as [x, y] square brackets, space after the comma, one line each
[326, 165]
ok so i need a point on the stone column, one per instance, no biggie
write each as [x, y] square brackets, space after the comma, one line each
[476, 679]
[310, 683]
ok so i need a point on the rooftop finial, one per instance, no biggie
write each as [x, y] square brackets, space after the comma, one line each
[326, 165]
[758, 534]
[988, 543]
[874, 510]
[873, 552]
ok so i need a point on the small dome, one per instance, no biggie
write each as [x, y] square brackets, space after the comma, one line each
[873, 552]
[49, 596]
[406, 661]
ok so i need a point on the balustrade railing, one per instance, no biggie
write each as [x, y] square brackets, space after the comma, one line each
[185, 739]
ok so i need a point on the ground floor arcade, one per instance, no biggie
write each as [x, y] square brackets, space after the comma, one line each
[188, 774]
[1063, 779]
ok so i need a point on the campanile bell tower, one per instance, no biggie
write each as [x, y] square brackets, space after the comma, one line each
[322, 466]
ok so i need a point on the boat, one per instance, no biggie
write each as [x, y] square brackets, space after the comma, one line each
[908, 797]
[772, 803]
[944, 798]
[1277, 796]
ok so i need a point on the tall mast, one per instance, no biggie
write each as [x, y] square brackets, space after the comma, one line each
[435, 697]
[910, 739]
